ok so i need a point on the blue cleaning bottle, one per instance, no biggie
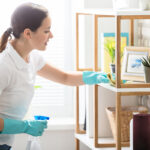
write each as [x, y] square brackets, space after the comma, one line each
[34, 142]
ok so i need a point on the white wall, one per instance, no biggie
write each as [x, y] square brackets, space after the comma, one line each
[144, 30]
[106, 4]
[98, 4]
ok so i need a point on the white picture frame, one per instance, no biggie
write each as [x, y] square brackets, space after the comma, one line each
[132, 68]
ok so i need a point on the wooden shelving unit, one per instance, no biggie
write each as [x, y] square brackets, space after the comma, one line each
[120, 89]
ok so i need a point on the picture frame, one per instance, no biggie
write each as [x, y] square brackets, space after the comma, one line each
[105, 57]
[132, 68]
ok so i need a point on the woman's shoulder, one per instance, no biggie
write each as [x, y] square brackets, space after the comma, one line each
[4, 67]
[5, 72]
[5, 64]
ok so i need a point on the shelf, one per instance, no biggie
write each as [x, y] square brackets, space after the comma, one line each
[90, 142]
[114, 89]
[127, 89]
[122, 12]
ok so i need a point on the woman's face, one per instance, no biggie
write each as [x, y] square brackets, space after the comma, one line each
[41, 37]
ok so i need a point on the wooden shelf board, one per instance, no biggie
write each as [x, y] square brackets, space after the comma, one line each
[114, 89]
[90, 142]
[111, 12]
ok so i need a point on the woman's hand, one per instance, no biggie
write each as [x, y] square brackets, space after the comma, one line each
[91, 77]
[35, 128]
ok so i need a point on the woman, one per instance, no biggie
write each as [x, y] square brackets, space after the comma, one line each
[19, 64]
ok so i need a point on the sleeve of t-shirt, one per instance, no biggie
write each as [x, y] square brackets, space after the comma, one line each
[4, 77]
[39, 60]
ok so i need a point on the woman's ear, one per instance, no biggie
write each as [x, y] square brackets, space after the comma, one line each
[27, 33]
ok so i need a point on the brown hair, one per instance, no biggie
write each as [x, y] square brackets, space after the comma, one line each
[27, 15]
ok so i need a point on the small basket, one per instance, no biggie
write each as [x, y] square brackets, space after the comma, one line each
[126, 116]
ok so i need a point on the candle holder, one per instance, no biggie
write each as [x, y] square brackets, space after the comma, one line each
[141, 132]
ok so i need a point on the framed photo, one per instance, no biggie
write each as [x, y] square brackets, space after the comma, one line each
[132, 68]
[110, 39]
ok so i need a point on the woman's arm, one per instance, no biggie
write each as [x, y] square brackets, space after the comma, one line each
[68, 78]
[1, 124]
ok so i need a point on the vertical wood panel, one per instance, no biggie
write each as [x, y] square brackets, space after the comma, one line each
[131, 32]
[96, 87]
[77, 144]
[96, 43]
[118, 120]
[77, 109]
[77, 41]
[96, 115]
[117, 52]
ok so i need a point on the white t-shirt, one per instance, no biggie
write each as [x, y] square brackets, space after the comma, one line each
[17, 79]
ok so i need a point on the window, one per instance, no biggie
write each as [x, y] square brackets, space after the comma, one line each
[50, 98]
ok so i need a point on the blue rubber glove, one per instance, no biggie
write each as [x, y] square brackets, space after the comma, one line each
[34, 128]
[114, 78]
[91, 77]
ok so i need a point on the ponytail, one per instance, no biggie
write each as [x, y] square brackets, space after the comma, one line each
[27, 15]
[4, 39]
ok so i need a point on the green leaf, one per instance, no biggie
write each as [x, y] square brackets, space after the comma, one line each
[37, 86]
[109, 46]
[146, 61]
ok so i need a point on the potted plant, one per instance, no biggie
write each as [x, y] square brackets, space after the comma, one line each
[109, 46]
[146, 63]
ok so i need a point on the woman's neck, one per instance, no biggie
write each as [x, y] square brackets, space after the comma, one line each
[22, 48]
